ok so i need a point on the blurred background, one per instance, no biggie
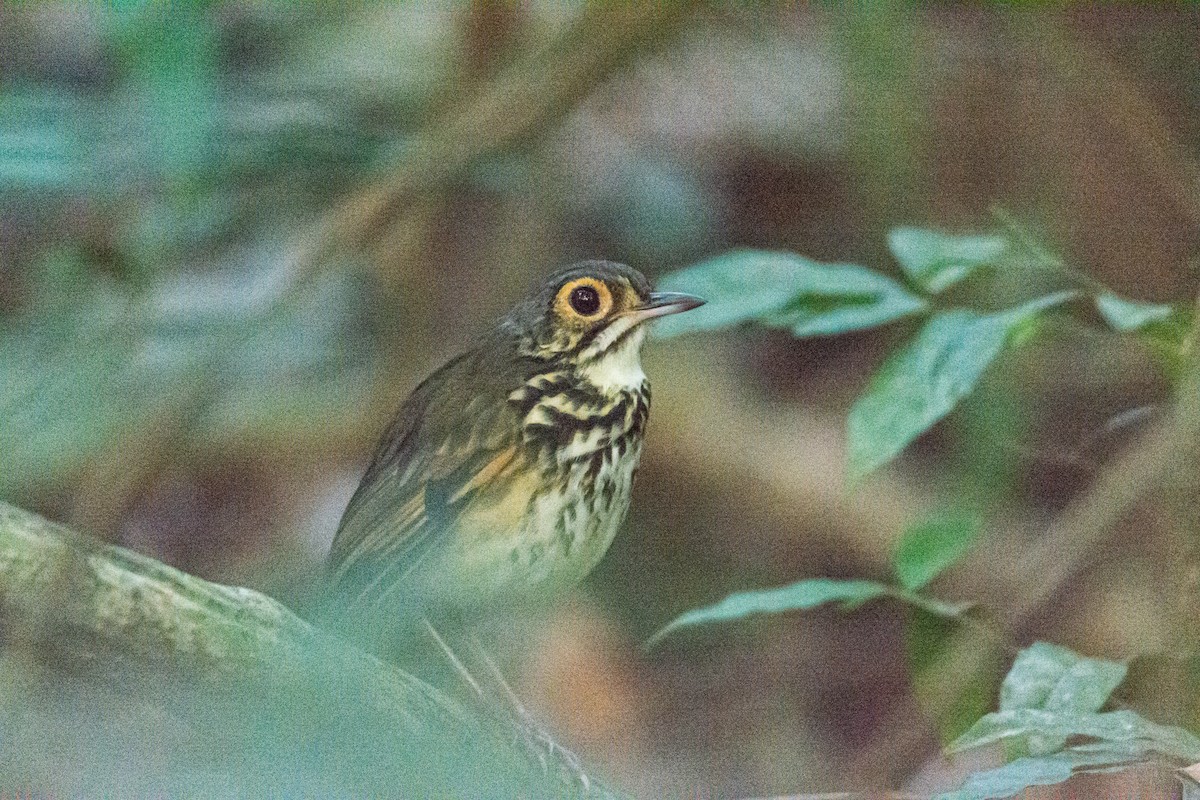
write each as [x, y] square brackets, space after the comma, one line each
[233, 237]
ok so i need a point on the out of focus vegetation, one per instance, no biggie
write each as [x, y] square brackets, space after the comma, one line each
[233, 236]
[1051, 696]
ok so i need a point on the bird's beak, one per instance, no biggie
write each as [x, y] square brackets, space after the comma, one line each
[660, 304]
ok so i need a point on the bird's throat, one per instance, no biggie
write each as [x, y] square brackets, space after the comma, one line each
[619, 368]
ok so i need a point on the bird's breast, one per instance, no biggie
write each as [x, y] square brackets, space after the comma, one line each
[559, 510]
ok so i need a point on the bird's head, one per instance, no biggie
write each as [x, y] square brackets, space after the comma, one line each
[589, 317]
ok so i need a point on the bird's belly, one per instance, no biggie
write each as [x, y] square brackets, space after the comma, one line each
[552, 533]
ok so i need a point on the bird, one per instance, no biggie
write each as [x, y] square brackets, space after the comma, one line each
[505, 475]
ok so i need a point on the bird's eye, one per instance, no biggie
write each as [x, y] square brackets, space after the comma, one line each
[585, 300]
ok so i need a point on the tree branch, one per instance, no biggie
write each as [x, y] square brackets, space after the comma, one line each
[219, 681]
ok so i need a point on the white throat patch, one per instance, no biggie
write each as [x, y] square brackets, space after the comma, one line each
[619, 369]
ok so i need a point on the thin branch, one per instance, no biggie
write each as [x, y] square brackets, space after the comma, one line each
[517, 105]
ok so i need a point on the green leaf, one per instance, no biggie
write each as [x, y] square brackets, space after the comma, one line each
[173, 66]
[924, 381]
[793, 597]
[935, 261]
[931, 546]
[1023, 773]
[862, 299]
[1129, 315]
[1124, 728]
[44, 141]
[1053, 678]
[786, 290]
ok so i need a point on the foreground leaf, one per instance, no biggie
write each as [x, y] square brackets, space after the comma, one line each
[786, 290]
[935, 261]
[1024, 773]
[797, 596]
[1124, 728]
[931, 546]
[1128, 315]
[1053, 678]
[922, 383]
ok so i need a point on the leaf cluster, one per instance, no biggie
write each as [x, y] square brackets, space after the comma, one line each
[1050, 717]
[927, 377]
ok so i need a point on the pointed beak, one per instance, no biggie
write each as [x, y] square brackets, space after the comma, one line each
[660, 304]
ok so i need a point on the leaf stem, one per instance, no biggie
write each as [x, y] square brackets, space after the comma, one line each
[958, 613]
[1043, 259]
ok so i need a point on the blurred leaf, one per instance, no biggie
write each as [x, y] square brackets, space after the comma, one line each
[657, 205]
[924, 381]
[62, 401]
[819, 315]
[389, 57]
[55, 275]
[173, 88]
[931, 546]
[786, 290]
[1053, 678]
[75, 383]
[275, 364]
[1124, 728]
[1128, 315]
[42, 141]
[935, 261]
[801, 595]
[1023, 773]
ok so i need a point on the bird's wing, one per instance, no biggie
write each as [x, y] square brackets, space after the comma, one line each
[440, 451]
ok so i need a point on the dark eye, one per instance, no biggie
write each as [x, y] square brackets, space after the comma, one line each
[585, 300]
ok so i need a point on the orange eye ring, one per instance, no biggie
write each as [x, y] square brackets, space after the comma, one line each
[584, 300]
